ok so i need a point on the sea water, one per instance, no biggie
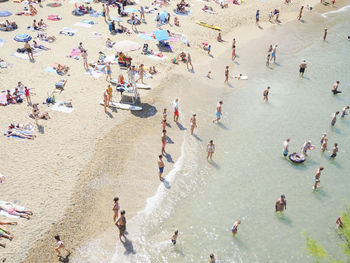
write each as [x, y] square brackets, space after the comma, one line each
[249, 173]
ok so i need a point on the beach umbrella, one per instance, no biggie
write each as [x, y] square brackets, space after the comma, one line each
[116, 19]
[126, 46]
[130, 10]
[161, 35]
[22, 38]
[4, 13]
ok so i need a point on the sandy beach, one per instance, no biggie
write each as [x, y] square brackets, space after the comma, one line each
[69, 174]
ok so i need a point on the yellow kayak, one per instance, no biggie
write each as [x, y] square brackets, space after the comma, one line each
[206, 25]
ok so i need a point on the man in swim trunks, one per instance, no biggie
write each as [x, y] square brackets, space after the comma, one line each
[302, 68]
[273, 53]
[335, 88]
[218, 111]
[334, 151]
[325, 34]
[235, 227]
[174, 237]
[266, 94]
[257, 17]
[29, 50]
[317, 178]
[108, 71]
[286, 147]
[161, 167]
[226, 74]
[281, 204]
[163, 140]
[121, 224]
[176, 110]
[300, 13]
[334, 118]
[343, 113]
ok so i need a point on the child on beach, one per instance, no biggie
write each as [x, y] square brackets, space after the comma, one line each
[235, 227]
[174, 237]
[60, 245]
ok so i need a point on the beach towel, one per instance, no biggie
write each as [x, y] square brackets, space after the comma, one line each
[80, 24]
[2, 42]
[116, 19]
[3, 64]
[4, 13]
[32, 28]
[94, 73]
[146, 36]
[188, 12]
[74, 53]
[145, 75]
[54, 17]
[61, 107]
[130, 10]
[156, 57]
[87, 21]
[50, 69]
[96, 35]
[209, 11]
[4, 213]
[24, 55]
[68, 31]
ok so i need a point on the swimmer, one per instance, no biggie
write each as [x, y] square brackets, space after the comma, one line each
[323, 137]
[218, 112]
[281, 204]
[266, 94]
[286, 147]
[307, 146]
[344, 111]
[317, 178]
[324, 145]
[334, 151]
[334, 118]
[193, 123]
[302, 68]
[235, 227]
[335, 88]
[174, 237]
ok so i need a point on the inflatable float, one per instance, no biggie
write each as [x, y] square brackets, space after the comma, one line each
[297, 158]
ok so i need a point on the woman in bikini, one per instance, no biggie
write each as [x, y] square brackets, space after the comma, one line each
[116, 208]
[210, 150]
[12, 210]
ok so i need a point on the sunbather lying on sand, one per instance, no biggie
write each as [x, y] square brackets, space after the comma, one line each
[45, 37]
[62, 69]
[60, 85]
[37, 115]
[39, 46]
[4, 233]
[8, 223]
[152, 70]
[19, 134]
[32, 10]
[12, 210]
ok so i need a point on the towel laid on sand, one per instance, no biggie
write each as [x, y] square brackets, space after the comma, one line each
[60, 106]
[4, 213]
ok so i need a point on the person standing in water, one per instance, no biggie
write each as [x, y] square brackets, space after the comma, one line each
[233, 52]
[281, 204]
[227, 71]
[174, 237]
[218, 111]
[163, 140]
[324, 141]
[343, 113]
[273, 53]
[317, 178]
[300, 13]
[334, 118]
[257, 17]
[307, 146]
[60, 245]
[266, 94]
[121, 224]
[193, 123]
[235, 227]
[161, 167]
[325, 34]
[176, 110]
[286, 147]
[334, 151]
[335, 88]
[302, 68]
[210, 150]
[116, 208]
[211, 258]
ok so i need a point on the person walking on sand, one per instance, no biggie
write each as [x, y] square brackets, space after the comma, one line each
[268, 60]
[325, 34]
[210, 150]
[104, 12]
[189, 61]
[105, 100]
[107, 12]
[218, 111]
[176, 110]
[281, 204]
[60, 245]
[85, 55]
[302, 68]
[29, 51]
[286, 147]
[266, 94]
[161, 167]
[142, 14]
[233, 52]
[121, 224]
[116, 208]
[163, 140]
[273, 53]
[334, 151]
[227, 72]
[317, 178]
[108, 71]
[344, 111]
[27, 93]
[110, 94]
[235, 227]
[334, 118]
[174, 237]
[300, 13]
[193, 123]
[141, 72]
[335, 88]
[257, 17]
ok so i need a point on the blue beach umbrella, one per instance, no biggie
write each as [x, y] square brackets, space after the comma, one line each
[22, 37]
[161, 35]
[163, 16]
[4, 13]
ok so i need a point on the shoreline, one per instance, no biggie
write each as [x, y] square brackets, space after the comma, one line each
[80, 218]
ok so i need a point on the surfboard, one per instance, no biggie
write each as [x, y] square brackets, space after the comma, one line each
[143, 86]
[209, 26]
[122, 106]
